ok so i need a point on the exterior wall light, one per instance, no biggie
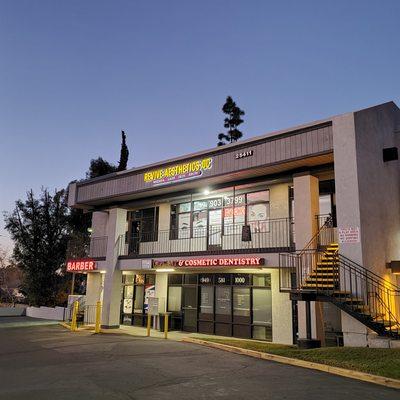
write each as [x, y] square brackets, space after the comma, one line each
[206, 192]
[394, 266]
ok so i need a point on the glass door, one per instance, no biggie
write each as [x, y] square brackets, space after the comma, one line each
[223, 310]
[206, 312]
[189, 308]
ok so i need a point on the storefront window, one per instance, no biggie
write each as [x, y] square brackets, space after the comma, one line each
[262, 280]
[137, 289]
[258, 211]
[223, 215]
[207, 299]
[199, 223]
[241, 302]
[143, 226]
[223, 300]
[174, 298]
[229, 303]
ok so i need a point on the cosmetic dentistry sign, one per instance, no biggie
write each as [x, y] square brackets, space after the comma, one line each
[178, 172]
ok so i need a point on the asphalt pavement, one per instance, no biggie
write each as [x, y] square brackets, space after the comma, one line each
[48, 362]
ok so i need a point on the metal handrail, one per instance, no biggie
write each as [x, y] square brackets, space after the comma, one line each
[378, 279]
[327, 224]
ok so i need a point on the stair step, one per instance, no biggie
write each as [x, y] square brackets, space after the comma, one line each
[319, 279]
[320, 285]
[386, 323]
[322, 274]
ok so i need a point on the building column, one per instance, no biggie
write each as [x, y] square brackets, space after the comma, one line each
[306, 208]
[93, 288]
[113, 276]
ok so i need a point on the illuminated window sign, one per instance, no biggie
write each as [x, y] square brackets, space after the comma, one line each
[81, 265]
[192, 169]
[213, 262]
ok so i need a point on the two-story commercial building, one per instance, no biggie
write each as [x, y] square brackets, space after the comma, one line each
[293, 234]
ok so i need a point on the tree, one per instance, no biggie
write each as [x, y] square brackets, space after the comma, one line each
[231, 122]
[39, 228]
[123, 159]
[98, 167]
[10, 279]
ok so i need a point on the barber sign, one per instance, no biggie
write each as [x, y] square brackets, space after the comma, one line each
[81, 265]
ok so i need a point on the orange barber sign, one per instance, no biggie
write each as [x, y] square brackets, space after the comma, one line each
[81, 265]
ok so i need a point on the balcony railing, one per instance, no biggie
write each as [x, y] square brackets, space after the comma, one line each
[273, 235]
[98, 247]
[82, 247]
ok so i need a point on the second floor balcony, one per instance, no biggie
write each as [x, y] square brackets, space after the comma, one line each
[269, 236]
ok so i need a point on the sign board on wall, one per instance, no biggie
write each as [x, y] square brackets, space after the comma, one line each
[178, 172]
[349, 235]
[212, 262]
[81, 265]
[153, 305]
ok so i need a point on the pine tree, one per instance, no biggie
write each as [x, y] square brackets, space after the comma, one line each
[231, 122]
[123, 159]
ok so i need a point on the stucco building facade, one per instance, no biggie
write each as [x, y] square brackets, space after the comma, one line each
[286, 236]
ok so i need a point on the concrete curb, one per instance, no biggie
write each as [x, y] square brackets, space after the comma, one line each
[362, 376]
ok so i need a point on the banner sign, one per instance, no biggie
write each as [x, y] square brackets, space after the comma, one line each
[212, 262]
[178, 172]
[81, 265]
[349, 235]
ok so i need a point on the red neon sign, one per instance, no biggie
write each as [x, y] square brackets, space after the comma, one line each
[213, 262]
[81, 265]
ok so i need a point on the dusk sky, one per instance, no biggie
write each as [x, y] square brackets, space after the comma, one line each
[74, 73]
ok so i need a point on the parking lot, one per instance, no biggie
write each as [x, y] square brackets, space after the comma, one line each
[49, 362]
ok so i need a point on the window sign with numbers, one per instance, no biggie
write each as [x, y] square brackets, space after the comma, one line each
[241, 279]
[206, 279]
[223, 279]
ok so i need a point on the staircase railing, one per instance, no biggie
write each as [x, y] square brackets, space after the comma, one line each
[365, 295]
[294, 267]
[375, 297]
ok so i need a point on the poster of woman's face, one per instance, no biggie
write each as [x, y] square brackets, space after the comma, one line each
[184, 226]
[257, 216]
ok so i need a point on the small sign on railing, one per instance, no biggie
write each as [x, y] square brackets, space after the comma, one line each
[246, 233]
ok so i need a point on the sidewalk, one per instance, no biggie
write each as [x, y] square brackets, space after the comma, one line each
[177, 336]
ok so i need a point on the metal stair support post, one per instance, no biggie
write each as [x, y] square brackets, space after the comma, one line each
[306, 207]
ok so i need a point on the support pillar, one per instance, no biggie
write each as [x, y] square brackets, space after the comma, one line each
[113, 276]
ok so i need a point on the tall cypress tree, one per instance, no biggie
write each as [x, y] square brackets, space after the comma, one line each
[123, 159]
[231, 122]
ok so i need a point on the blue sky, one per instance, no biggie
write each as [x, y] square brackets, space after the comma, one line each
[74, 73]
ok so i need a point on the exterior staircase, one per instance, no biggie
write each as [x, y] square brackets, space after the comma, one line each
[326, 275]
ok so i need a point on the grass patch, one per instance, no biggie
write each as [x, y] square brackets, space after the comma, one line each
[383, 362]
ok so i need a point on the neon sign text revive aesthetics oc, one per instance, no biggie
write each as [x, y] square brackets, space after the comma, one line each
[192, 169]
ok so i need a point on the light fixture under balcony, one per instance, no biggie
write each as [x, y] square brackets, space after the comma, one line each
[165, 270]
[206, 192]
